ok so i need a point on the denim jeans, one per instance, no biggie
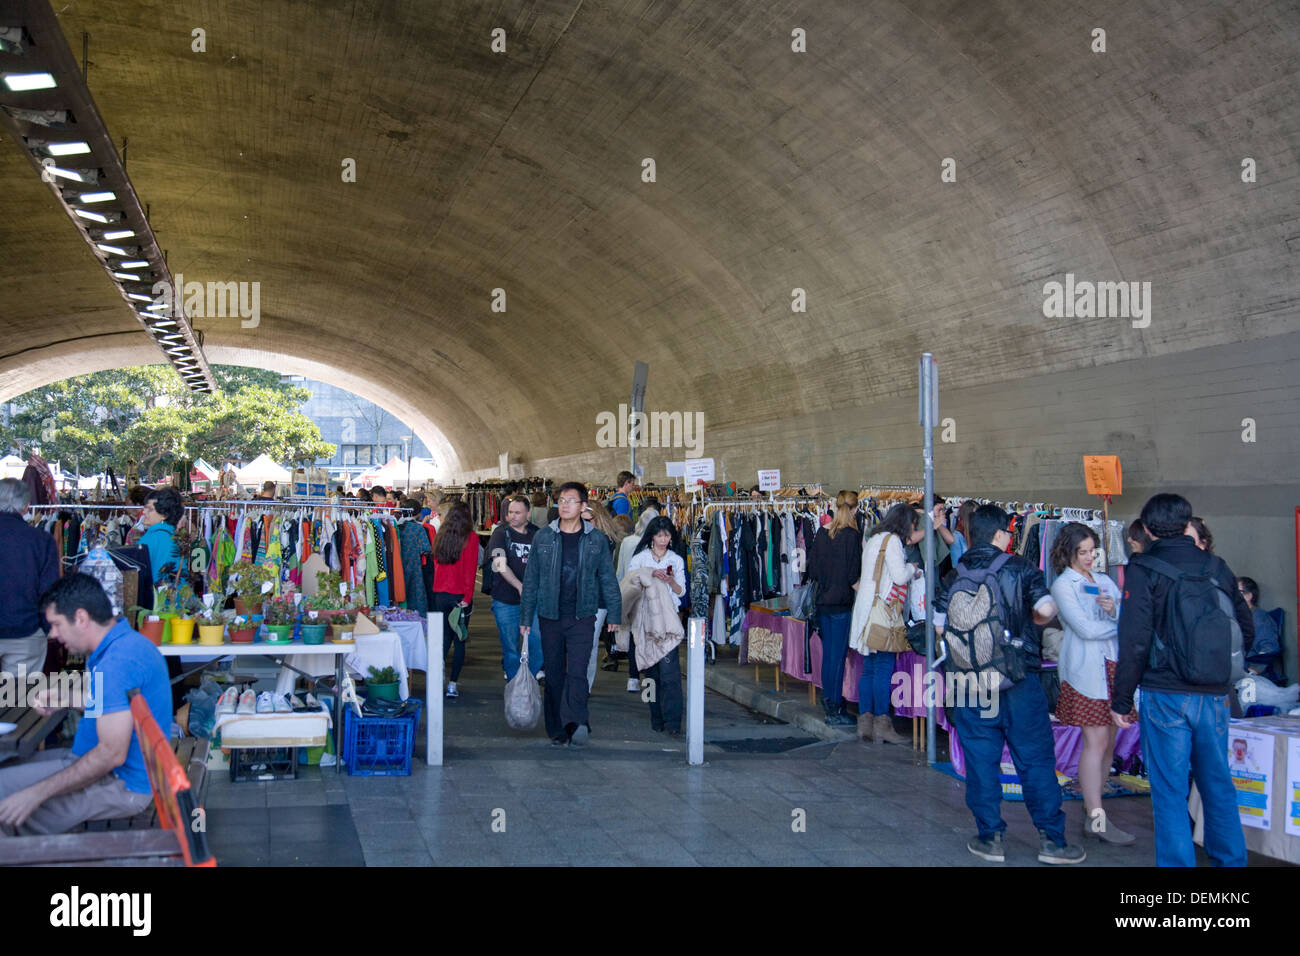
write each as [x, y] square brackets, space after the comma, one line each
[443, 602]
[1022, 724]
[835, 649]
[1182, 732]
[874, 682]
[507, 618]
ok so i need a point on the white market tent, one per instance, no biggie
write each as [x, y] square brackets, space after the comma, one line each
[393, 474]
[11, 466]
[261, 469]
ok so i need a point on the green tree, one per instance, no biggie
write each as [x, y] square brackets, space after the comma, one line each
[147, 414]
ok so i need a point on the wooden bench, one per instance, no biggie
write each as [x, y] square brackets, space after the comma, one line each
[159, 836]
[32, 729]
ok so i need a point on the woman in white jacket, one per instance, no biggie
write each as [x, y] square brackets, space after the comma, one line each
[1088, 607]
[895, 532]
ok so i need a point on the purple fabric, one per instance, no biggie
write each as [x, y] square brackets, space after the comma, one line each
[792, 635]
[1069, 746]
[908, 687]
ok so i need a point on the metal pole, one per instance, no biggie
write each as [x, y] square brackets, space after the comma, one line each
[433, 692]
[929, 399]
[695, 692]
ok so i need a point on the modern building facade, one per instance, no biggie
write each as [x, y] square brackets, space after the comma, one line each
[367, 435]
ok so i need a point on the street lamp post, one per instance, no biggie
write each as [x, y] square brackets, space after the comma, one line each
[406, 451]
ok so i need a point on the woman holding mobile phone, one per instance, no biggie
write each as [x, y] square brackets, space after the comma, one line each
[1088, 607]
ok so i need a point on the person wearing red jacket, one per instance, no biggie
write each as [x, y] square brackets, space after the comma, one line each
[449, 578]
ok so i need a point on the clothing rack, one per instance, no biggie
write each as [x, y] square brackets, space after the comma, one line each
[103, 506]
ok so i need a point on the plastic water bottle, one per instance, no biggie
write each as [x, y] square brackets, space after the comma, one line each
[101, 567]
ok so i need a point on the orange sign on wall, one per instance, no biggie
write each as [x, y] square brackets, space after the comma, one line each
[1102, 474]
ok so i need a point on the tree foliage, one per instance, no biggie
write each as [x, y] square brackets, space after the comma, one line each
[147, 414]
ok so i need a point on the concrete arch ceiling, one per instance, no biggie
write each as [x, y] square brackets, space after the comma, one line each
[776, 170]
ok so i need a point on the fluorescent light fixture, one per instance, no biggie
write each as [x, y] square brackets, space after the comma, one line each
[126, 276]
[115, 250]
[87, 176]
[116, 233]
[67, 149]
[157, 307]
[162, 322]
[98, 197]
[138, 297]
[136, 264]
[172, 335]
[23, 82]
[92, 216]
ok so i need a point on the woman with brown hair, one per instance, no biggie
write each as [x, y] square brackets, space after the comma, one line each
[1088, 607]
[450, 580]
[835, 563]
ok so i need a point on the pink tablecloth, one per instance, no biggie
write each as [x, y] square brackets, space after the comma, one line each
[792, 660]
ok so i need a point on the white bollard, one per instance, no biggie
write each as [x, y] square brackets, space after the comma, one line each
[695, 691]
[433, 692]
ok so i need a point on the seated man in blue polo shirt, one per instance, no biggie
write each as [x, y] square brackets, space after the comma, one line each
[102, 776]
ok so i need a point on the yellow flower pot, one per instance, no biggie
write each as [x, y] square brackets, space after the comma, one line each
[183, 630]
[212, 634]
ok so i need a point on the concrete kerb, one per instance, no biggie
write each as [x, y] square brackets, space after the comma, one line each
[788, 708]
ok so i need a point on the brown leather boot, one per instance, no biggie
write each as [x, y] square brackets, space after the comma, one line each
[886, 733]
[866, 732]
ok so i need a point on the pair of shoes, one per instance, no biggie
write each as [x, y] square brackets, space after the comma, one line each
[988, 848]
[579, 736]
[281, 705]
[610, 663]
[885, 732]
[451, 689]
[1097, 826]
[659, 730]
[265, 702]
[866, 728]
[561, 741]
[1049, 852]
[228, 701]
[247, 702]
[633, 685]
[840, 719]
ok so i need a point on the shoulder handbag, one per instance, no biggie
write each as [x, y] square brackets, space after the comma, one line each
[885, 630]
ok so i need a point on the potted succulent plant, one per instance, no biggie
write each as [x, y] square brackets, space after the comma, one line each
[341, 625]
[382, 684]
[211, 625]
[243, 629]
[280, 614]
[249, 585]
[148, 622]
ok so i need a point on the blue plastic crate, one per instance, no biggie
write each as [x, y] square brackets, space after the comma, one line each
[379, 746]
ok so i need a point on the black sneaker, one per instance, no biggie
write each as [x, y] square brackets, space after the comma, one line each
[1049, 852]
[560, 741]
[988, 848]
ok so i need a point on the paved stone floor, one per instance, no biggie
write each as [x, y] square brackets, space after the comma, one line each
[628, 798]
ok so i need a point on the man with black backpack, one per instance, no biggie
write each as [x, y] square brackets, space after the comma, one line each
[1183, 628]
[987, 612]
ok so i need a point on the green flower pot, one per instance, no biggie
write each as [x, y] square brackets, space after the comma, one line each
[313, 633]
[280, 633]
[382, 691]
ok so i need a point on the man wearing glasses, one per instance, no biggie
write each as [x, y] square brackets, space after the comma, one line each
[570, 574]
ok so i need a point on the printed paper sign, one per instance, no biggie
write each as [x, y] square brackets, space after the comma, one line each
[1250, 761]
[1293, 786]
[676, 469]
[769, 479]
[699, 469]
